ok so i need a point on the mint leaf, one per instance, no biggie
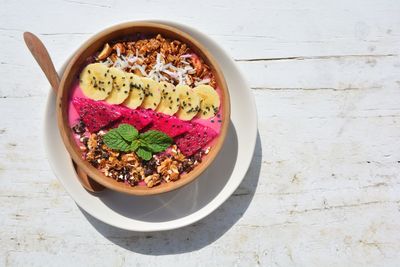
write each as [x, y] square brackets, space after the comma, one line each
[143, 153]
[115, 141]
[128, 132]
[156, 141]
[126, 138]
[135, 145]
[155, 148]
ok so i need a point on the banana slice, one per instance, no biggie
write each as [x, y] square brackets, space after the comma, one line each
[152, 95]
[95, 81]
[136, 94]
[209, 101]
[169, 103]
[189, 103]
[120, 86]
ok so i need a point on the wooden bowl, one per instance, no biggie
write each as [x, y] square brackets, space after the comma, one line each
[94, 45]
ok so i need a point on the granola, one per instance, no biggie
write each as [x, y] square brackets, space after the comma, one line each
[144, 57]
[130, 169]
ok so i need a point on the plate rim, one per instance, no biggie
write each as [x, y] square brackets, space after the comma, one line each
[214, 203]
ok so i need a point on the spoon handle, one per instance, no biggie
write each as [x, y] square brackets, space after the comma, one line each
[42, 57]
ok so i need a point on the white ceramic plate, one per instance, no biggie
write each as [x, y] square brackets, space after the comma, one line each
[188, 204]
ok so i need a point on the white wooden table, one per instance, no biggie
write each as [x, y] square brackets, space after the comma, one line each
[324, 186]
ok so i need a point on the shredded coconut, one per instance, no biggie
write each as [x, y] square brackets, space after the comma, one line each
[160, 71]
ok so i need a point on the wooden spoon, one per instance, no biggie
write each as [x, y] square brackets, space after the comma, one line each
[42, 57]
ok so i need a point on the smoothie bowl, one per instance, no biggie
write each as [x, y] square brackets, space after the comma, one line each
[143, 108]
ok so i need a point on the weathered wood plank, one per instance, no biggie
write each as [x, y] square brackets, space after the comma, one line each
[325, 76]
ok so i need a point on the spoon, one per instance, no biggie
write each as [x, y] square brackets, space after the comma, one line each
[42, 57]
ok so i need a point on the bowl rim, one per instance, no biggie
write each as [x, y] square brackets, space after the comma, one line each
[67, 136]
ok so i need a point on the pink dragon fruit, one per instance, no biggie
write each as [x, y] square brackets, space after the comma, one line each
[95, 115]
[138, 118]
[170, 125]
[195, 139]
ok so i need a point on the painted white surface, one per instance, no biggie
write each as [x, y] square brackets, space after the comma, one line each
[324, 186]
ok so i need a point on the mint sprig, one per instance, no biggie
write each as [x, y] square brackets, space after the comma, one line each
[127, 139]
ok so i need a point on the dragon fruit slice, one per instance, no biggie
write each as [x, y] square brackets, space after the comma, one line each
[138, 118]
[195, 139]
[170, 125]
[95, 115]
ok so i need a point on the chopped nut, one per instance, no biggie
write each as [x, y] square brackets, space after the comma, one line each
[138, 72]
[92, 142]
[119, 48]
[130, 158]
[105, 52]
[152, 180]
[171, 51]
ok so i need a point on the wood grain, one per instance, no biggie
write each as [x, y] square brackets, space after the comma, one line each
[324, 187]
[42, 57]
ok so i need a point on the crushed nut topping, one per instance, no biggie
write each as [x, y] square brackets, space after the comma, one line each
[129, 168]
[161, 59]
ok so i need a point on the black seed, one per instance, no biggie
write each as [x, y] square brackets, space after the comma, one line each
[123, 85]
[165, 85]
[212, 121]
[109, 82]
[173, 90]
[169, 98]
[187, 93]
[123, 78]
[219, 121]
[177, 99]
[155, 104]
[125, 92]
[88, 71]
